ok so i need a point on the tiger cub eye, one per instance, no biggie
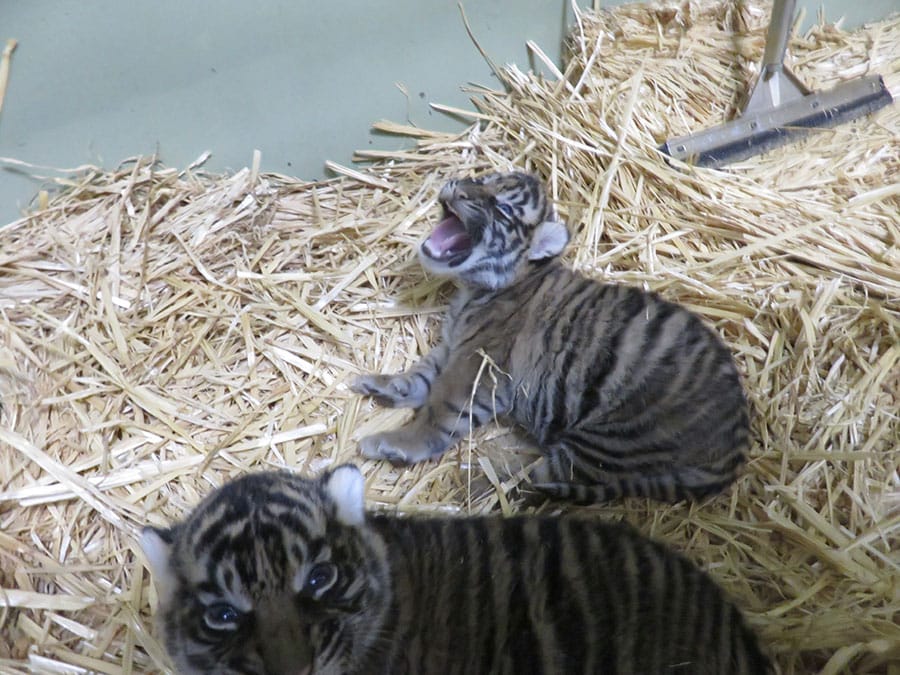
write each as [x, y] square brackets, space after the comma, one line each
[221, 616]
[321, 577]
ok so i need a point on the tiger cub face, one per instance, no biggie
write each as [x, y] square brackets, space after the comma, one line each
[272, 574]
[491, 228]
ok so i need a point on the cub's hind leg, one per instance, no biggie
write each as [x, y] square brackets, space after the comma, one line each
[408, 389]
[449, 413]
[567, 474]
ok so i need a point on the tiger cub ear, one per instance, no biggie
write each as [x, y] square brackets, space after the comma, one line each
[346, 487]
[157, 547]
[549, 240]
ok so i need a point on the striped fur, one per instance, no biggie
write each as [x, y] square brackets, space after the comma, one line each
[539, 595]
[625, 393]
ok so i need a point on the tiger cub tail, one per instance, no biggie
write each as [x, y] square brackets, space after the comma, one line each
[563, 476]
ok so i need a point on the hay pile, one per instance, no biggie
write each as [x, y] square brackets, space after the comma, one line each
[163, 330]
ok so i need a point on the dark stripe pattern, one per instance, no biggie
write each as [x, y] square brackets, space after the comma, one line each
[416, 596]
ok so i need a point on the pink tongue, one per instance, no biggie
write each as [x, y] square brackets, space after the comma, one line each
[448, 237]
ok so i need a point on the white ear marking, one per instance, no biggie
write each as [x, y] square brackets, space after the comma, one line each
[346, 487]
[549, 240]
[158, 552]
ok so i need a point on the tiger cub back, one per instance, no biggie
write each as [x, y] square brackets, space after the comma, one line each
[275, 574]
[626, 394]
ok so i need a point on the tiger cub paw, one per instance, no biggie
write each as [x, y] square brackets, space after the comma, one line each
[397, 448]
[393, 391]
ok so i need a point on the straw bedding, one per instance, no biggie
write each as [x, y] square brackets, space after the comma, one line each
[163, 330]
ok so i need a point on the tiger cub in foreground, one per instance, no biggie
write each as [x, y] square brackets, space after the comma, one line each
[626, 394]
[274, 574]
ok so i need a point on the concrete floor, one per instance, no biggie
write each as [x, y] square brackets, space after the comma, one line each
[98, 81]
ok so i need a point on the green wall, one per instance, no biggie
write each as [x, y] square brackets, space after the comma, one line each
[98, 80]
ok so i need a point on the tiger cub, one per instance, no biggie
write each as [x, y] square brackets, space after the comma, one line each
[625, 393]
[274, 574]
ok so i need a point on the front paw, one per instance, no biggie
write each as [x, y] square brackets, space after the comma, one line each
[388, 390]
[379, 446]
[402, 446]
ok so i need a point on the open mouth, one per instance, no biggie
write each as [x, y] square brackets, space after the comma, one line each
[449, 243]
